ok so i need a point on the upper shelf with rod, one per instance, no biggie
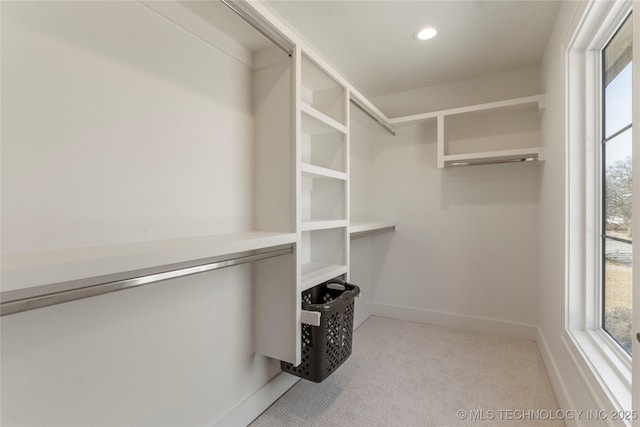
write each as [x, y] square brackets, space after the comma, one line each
[92, 284]
[29, 270]
[497, 132]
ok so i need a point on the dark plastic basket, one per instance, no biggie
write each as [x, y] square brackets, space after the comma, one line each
[326, 347]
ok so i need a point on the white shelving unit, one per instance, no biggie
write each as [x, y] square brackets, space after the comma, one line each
[496, 132]
[324, 176]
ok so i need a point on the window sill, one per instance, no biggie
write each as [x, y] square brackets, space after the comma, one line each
[610, 368]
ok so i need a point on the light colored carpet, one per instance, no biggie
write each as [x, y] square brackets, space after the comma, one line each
[408, 374]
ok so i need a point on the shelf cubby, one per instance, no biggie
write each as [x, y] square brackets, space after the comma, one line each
[322, 144]
[322, 93]
[500, 132]
[496, 132]
[323, 255]
[491, 130]
[322, 198]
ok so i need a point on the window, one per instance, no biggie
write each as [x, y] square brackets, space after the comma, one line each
[616, 186]
[598, 198]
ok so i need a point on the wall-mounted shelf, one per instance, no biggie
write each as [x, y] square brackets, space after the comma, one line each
[37, 269]
[505, 105]
[323, 225]
[496, 132]
[358, 227]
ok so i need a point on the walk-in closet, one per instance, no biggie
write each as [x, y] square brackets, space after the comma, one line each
[260, 212]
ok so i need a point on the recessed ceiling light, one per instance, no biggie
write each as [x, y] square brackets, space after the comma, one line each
[426, 34]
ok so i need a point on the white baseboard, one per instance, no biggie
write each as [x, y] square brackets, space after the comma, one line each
[557, 381]
[458, 321]
[243, 414]
[363, 310]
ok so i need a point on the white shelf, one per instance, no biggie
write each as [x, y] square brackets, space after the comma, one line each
[27, 270]
[364, 226]
[314, 273]
[322, 124]
[505, 105]
[320, 172]
[323, 225]
[503, 156]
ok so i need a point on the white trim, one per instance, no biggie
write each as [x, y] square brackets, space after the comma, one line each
[458, 321]
[606, 373]
[247, 411]
[636, 220]
[592, 354]
[555, 375]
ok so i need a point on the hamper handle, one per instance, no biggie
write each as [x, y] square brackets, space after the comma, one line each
[350, 291]
[341, 285]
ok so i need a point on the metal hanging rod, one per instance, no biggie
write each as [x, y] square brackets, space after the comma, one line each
[80, 292]
[491, 162]
[389, 129]
[263, 28]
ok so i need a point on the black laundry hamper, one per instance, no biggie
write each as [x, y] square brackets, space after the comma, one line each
[326, 347]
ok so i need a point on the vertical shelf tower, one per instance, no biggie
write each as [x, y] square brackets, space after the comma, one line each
[323, 172]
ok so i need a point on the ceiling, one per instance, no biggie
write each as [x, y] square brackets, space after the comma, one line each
[372, 44]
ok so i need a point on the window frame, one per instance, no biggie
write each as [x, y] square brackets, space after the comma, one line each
[602, 174]
[593, 349]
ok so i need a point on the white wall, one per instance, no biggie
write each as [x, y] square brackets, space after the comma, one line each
[117, 126]
[367, 253]
[465, 253]
[113, 135]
